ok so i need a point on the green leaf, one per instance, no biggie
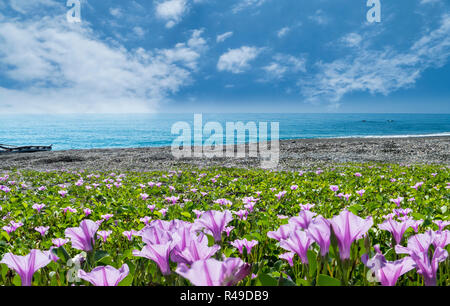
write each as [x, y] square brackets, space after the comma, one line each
[7, 237]
[127, 281]
[267, 280]
[325, 280]
[286, 282]
[17, 281]
[312, 259]
[99, 255]
[186, 214]
[61, 253]
[302, 282]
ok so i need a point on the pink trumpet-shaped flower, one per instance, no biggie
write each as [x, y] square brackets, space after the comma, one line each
[151, 207]
[87, 211]
[83, 237]
[8, 228]
[107, 217]
[388, 272]
[212, 272]
[240, 244]
[129, 234]
[242, 214]
[192, 249]
[307, 206]
[280, 194]
[415, 225]
[105, 276]
[163, 211]
[62, 193]
[173, 199]
[228, 230]
[441, 239]
[145, 220]
[38, 207]
[26, 265]
[319, 231]
[198, 213]
[303, 219]
[298, 242]
[289, 257]
[104, 235]
[15, 225]
[159, 253]
[144, 196]
[282, 232]
[441, 224]
[360, 192]
[348, 227]
[42, 229]
[215, 222]
[418, 248]
[397, 201]
[58, 242]
[334, 188]
[155, 234]
[397, 229]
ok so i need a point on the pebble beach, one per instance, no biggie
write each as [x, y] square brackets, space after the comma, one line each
[294, 154]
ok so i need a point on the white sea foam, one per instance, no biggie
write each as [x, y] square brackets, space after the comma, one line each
[398, 136]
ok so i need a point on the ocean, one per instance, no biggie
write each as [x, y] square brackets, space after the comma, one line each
[153, 130]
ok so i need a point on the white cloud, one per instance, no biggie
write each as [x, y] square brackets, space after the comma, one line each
[429, 1]
[379, 71]
[283, 32]
[223, 37]
[352, 39]
[64, 68]
[140, 32]
[283, 64]
[187, 54]
[319, 17]
[237, 60]
[172, 11]
[24, 6]
[244, 4]
[116, 12]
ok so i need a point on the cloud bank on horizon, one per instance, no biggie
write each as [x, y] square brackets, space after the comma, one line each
[239, 55]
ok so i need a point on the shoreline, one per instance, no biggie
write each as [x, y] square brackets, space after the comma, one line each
[293, 154]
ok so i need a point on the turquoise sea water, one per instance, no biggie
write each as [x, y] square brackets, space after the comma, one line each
[153, 130]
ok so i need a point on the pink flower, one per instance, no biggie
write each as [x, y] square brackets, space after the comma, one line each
[129, 234]
[280, 194]
[145, 219]
[105, 275]
[104, 235]
[334, 188]
[58, 242]
[107, 217]
[289, 257]
[38, 207]
[42, 229]
[360, 192]
[240, 244]
[87, 211]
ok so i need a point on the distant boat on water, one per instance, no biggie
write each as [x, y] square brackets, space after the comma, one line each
[23, 149]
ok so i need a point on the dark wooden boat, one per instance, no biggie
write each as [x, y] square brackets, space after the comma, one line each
[23, 149]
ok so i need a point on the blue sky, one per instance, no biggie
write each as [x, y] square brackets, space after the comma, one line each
[224, 56]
